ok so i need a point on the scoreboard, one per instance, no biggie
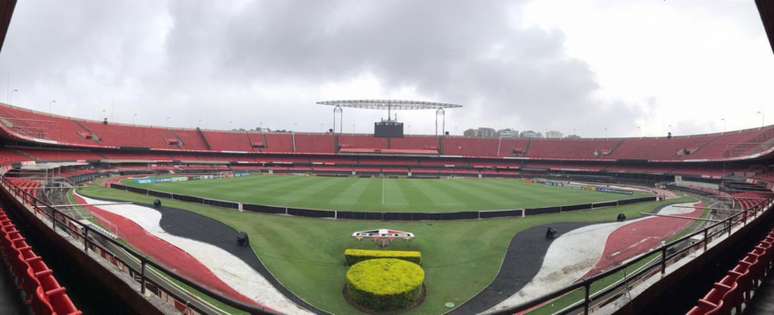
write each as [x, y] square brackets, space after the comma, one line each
[388, 129]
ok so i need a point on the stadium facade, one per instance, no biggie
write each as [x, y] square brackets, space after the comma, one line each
[38, 147]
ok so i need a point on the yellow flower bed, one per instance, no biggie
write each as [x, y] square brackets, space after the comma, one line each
[384, 284]
[354, 256]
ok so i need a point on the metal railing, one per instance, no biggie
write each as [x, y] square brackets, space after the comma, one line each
[598, 289]
[152, 277]
[127, 260]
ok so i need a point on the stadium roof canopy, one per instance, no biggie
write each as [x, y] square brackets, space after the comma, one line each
[6, 10]
[389, 104]
[766, 9]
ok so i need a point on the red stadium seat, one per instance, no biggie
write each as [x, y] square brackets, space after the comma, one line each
[37, 283]
[733, 298]
[18, 266]
[37, 265]
[27, 253]
[61, 303]
[29, 284]
[742, 271]
[758, 267]
[715, 295]
[704, 308]
[7, 243]
[47, 280]
[40, 303]
[8, 229]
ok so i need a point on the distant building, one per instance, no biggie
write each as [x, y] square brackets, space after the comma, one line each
[530, 134]
[486, 132]
[507, 133]
[553, 134]
[481, 132]
[572, 137]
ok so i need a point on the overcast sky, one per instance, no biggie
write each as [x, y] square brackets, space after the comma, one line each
[595, 68]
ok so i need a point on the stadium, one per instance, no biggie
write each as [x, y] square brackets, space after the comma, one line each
[103, 217]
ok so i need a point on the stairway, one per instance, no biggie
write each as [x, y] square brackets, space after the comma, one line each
[204, 138]
[762, 141]
[94, 136]
[526, 149]
[615, 147]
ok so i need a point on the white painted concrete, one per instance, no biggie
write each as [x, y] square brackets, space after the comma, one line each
[230, 269]
[683, 208]
[569, 257]
[573, 255]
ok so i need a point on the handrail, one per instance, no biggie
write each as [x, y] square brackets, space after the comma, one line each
[725, 225]
[56, 215]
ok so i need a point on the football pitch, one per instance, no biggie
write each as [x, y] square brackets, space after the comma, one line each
[311, 264]
[384, 194]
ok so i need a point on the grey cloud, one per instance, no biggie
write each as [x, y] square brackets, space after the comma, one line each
[186, 58]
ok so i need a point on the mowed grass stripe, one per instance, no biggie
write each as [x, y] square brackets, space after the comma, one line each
[440, 199]
[535, 195]
[417, 198]
[497, 198]
[518, 196]
[350, 195]
[474, 199]
[393, 195]
[227, 185]
[324, 197]
[252, 190]
[403, 194]
[306, 191]
[367, 200]
[270, 194]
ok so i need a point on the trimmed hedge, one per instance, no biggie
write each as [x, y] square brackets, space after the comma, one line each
[354, 256]
[385, 284]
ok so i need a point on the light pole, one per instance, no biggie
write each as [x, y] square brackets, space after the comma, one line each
[134, 119]
[763, 118]
[51, 106]
[639, 130]
[10, 99]
[724, 125]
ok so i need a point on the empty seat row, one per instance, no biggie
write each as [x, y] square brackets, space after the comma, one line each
[45, 128]
[41, 291]
[751, 200]
[735, 290]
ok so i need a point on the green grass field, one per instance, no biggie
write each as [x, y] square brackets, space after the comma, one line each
[461, 258]
[384, 194]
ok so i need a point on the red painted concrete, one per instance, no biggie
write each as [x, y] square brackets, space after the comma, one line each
[165, 253]
[642, 236]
